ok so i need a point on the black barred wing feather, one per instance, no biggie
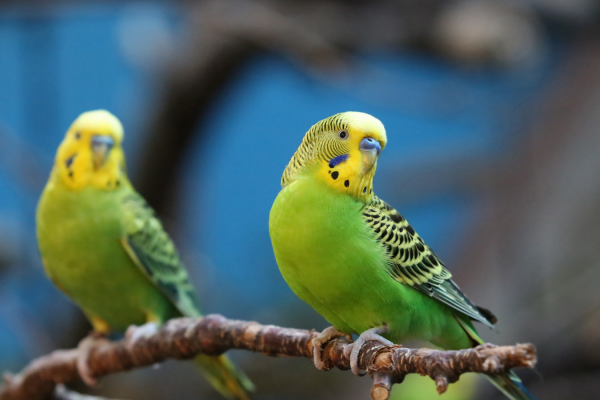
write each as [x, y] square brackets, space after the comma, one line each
[154, 252]
[413, 263]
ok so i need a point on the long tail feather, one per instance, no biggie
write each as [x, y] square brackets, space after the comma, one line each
[225, 378]
[509, 384]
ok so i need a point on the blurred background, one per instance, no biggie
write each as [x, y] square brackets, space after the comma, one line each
[492, 110]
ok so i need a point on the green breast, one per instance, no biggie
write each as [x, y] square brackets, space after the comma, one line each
[331, 260]
[326, 254]
[79, 235]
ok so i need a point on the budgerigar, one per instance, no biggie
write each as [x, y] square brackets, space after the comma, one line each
[355, 259]
[102, 245]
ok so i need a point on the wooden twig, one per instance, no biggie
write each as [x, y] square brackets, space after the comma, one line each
[185, 338]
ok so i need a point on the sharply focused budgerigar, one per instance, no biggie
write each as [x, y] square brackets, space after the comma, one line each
[102, 245]
[355, 259]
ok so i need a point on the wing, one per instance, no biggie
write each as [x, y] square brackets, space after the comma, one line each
[413, 263]
[153, 251]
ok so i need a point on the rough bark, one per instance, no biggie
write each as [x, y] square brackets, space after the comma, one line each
[185, 338]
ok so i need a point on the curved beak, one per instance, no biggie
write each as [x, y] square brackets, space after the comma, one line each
[370, 149]
[101, 146]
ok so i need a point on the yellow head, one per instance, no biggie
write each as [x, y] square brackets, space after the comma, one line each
[341, 150]
[91, 153]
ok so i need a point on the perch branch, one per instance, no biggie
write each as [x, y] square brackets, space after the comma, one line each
[185, 338]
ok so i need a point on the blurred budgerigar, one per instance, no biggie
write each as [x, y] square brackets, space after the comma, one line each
[355, 259]
[102, 245]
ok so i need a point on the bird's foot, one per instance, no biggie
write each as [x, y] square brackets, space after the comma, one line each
[368, 335]
[135, 333]
[84, 348]
[324, 337]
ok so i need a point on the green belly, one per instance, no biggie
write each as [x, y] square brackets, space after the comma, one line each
[79, 236]
[331, 261]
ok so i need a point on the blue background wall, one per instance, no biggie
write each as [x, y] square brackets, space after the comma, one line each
[58, 62]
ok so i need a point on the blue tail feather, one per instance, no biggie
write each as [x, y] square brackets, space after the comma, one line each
[511, 386]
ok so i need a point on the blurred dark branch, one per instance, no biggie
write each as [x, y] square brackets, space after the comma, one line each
[224, 35]
[319, 36]
[185, 338]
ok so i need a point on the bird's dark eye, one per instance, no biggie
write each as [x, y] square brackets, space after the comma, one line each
[77, 135]
[343, 135]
